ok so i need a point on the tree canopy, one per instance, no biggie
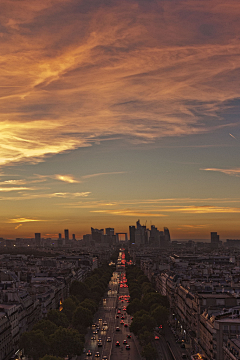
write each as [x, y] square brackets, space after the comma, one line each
[66, 342]
[34, 344]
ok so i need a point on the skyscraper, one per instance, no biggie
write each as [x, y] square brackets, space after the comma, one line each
[66, 232]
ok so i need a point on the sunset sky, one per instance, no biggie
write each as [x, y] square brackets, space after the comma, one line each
[113, 111]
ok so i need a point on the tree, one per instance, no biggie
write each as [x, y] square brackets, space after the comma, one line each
[140, 313]
[90, 305]
[82, 317]
[142, 278]
[69, 306]
[152, 298]
[135, 294]
[79, 289]
[160, 314]
[134, 306]
[146, 337]
[139, 322]
[98, 289]
[147, 287]
[58, 318]
[34, 344]
[46, 326]
[66, 342]
[149, 352]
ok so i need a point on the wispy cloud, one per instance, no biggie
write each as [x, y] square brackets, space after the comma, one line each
[129, 212]
[164, 211]
[232, 136]
[20, 188]
[102, 174]
[18, 226]
[126, 69]
[22, 220]
[66, 178]
[235, 171]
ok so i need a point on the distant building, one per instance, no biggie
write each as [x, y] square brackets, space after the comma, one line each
[215, 242]
[109, 231]
[66, 233]
[132, 234]
[37, 239]
[97, 234]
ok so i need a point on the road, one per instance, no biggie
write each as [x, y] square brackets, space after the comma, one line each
[107, 313]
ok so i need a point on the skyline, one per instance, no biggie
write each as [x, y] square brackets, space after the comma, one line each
[113, 112]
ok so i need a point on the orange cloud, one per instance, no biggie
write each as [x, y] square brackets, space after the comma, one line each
[66, 178]
[22, 220]
[235, 171]
[133, 69]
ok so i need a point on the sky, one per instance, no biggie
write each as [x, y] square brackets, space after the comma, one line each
[113, 111]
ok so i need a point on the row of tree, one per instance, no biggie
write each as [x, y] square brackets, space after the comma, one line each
[150, 309]
[62, 333]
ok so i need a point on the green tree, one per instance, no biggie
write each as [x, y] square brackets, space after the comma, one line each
[160, 314]
[89, 304]
[142, 278]
[154, 298]
[139, 322]
[82, 317]
[146, 337]
[79, 289]
[135, 294]
[69, 306]
[34, 344]
[149, 352]
[134, 306]
[46, 326]
[147, 287]
[140, 313]
[58, 318]
[66, 342]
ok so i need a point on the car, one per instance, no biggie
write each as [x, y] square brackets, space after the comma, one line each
[117, 343]
[156, 338]
[94, 332]
[129, 336]
[127, 347]
[97, 354]
[117, 316]
[93, 338]
[104, 357]
[124, 342]
[104, 323]
[184, 356]
[117, 328]
[89, 353]
[99, 320]
[119, 312]
[122, 317]
[93, 326]
[99, 344]
[126, 325]
[109, 339]
[122, 322]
